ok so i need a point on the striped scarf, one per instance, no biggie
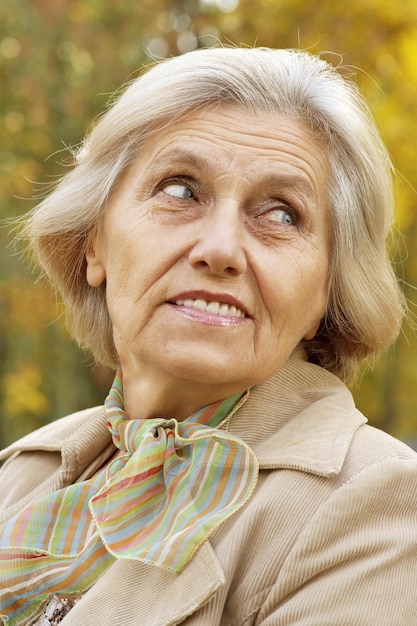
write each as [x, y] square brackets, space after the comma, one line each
[172, 485]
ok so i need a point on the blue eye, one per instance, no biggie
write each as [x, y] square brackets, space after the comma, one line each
[179, 191]
[282, 216]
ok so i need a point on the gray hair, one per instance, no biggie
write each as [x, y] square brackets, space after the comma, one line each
[365, 305]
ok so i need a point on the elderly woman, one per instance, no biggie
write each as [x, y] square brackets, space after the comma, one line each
[220, 243]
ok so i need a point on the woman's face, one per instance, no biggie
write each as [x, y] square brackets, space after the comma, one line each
[215, 249]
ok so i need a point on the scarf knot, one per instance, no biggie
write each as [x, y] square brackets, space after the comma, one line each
[176, 483]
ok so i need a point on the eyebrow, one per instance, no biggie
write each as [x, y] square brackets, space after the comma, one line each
[291, 182]
[175, 159]
[279, 180]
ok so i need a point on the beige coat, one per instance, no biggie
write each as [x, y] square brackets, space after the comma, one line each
[328, 538]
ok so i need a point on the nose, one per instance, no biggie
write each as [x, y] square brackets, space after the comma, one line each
[219, 247]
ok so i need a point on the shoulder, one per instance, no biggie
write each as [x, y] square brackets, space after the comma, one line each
[51, 457]
[371, 446]
[53, 436]
[330, 547]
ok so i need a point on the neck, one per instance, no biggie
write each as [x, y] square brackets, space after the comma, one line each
[146, 396]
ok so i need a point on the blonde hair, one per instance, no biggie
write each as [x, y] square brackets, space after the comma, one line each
[365, 306]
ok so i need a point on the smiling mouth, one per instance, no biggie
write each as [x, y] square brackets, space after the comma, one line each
[213, 307]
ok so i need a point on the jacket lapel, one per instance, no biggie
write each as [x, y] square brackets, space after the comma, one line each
[156, 596]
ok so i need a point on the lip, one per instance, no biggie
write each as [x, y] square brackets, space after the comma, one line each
[223, 298]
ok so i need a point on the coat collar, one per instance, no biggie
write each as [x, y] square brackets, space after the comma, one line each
[301, 418]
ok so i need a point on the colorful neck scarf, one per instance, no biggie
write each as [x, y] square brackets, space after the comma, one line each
[174, 483]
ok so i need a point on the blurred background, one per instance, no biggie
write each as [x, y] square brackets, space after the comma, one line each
[60, 60]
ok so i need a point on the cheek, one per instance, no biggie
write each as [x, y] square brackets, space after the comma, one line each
[133, 294]
[314, 304]
[297, 297]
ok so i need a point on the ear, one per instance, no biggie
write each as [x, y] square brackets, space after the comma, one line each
[95, 272]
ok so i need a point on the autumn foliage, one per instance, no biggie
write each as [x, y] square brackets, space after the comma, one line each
[59, 63]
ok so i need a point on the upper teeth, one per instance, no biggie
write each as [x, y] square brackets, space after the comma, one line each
[216, 308]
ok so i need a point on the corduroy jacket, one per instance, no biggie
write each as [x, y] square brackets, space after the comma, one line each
[328, 538]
